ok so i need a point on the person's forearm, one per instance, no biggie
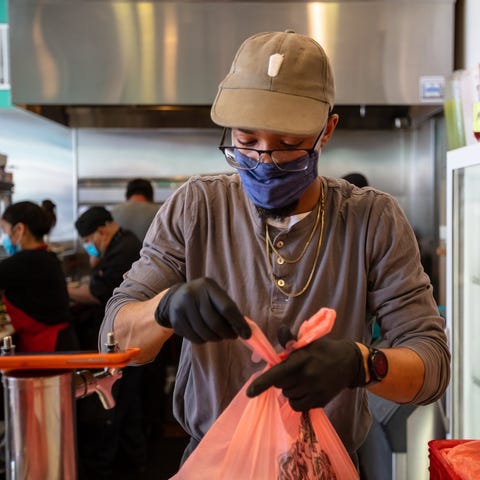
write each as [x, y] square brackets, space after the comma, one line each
[404, 378]
[82, 294]
[135, 326]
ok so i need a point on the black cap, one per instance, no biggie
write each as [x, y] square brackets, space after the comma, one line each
[357, 179]
[91, 219]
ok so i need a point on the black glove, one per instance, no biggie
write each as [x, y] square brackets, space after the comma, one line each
[201, 312]
[311, 376]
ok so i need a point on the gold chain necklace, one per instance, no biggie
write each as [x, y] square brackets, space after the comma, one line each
[312, 233]
[320, 215]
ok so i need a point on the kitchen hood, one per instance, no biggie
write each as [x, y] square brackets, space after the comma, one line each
[89, 63]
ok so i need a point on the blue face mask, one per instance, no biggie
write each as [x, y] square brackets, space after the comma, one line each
[9, 247]
[91, 249]
[268, 187]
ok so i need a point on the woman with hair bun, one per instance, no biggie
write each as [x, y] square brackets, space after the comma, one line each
[50, 209]
[33, 282]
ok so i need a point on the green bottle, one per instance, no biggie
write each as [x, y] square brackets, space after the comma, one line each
[453, 110]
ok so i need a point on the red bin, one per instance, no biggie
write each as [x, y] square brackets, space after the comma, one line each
[440, 468]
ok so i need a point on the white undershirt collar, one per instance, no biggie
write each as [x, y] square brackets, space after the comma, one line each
[287, 222]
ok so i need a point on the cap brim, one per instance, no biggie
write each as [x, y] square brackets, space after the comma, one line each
[266, 110]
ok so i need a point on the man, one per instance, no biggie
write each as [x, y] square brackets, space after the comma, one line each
[276, 243]
[111, 251]
[114, 250]
[137, 212]
[119, 432]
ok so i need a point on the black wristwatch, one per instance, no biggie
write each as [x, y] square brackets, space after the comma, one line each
[377, 365]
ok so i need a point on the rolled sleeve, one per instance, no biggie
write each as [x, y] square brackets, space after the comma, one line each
[401, 295]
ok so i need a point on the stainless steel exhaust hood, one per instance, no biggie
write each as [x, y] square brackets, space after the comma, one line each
[158, 63]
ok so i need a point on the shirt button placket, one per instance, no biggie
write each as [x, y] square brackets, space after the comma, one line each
[280, 261]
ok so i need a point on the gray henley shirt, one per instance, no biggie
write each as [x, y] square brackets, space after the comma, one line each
[369, 266]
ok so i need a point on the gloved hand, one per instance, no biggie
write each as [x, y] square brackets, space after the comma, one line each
[201, 312]
[311, 376]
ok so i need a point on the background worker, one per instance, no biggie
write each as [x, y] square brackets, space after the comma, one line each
[137, 212]
[33, 283]
[114, 250]
[358, 179]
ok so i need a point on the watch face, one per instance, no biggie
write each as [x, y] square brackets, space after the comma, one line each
[379, 364]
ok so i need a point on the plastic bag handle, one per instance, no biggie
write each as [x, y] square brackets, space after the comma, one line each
[312, 329]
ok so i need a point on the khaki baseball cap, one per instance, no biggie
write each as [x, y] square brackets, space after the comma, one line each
[278, 81]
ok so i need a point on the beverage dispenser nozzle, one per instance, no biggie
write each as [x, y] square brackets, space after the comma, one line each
[100, 383]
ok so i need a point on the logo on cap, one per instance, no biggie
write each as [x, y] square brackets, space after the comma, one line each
[274, 64]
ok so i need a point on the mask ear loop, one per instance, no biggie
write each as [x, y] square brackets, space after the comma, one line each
[318, 143]
[101, 240]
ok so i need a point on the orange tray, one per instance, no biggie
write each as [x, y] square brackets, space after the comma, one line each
[67, 361]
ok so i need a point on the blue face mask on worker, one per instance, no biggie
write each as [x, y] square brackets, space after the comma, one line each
[10, 248]
[91, 249]
[268, 187]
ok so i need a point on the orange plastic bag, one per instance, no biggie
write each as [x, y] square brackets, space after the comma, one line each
[262, 438]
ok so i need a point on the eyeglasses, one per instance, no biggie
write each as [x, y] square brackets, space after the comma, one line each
[286, 160]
